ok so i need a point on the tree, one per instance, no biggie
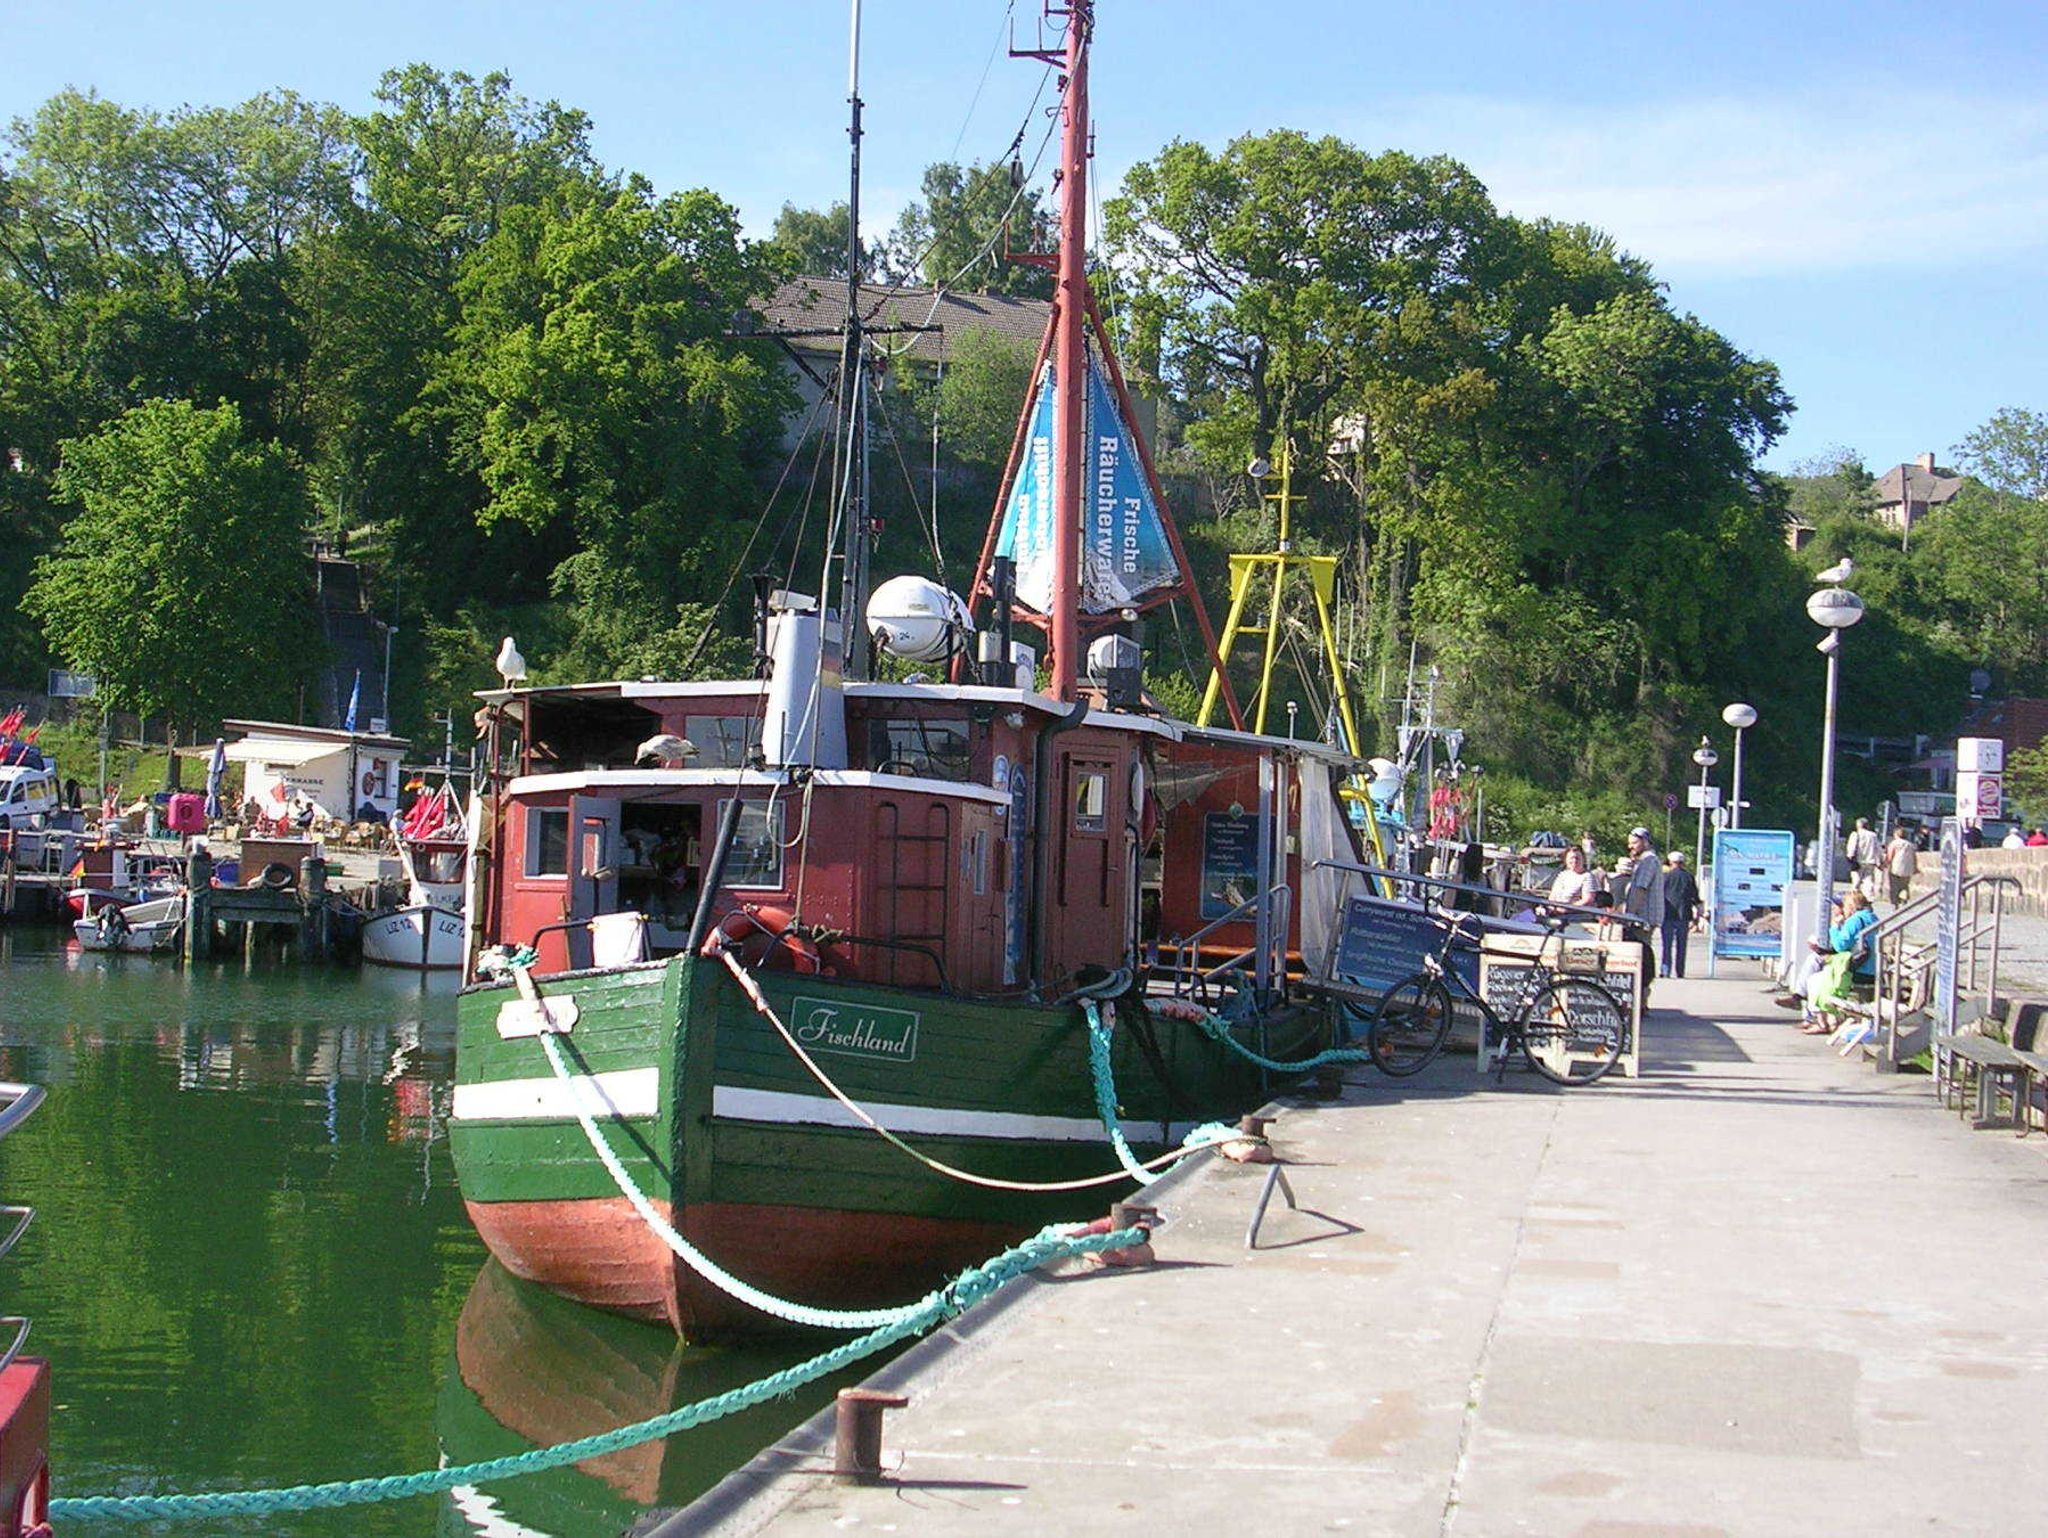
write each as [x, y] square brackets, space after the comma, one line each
[181, 583]
[812, 241]
[592, 390]
[955, 236]
[2009, 453]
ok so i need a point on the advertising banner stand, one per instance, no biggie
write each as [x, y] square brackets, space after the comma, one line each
[1750, 894]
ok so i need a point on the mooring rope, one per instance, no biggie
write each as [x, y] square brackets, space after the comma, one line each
[1105, 1093]
[962, 1293]
[1207, 1135]
[1217, 1028]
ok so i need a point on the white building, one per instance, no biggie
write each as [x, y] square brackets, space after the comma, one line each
[339, 772]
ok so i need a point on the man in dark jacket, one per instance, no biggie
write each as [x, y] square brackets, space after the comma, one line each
[1681, 908]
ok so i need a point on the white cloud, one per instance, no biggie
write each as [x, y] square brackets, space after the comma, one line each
[1727, 187]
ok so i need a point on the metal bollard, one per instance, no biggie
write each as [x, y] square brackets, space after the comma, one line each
[857, 1434]
[1254, 1149]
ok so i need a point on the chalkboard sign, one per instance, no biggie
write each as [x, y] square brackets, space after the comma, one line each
[1382, 942]
[1230, 862]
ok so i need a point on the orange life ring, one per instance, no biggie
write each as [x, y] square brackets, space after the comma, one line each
[785, 948]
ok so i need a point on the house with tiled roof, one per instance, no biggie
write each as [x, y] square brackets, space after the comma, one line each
[1908, 493]
[808, 312]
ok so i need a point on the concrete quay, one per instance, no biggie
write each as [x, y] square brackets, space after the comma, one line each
[1759, 1290]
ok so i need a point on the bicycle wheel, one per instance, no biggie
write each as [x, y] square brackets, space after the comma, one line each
[1409, 1027]
[1573, 1030]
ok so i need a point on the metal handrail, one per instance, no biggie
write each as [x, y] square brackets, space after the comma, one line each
[1902, 969]
[1444, 883]
[22, 1216]
[1187, 953]
[20, 1323]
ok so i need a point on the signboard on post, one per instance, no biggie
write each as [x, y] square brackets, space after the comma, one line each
[1948, 926]
[1703, 797]
[1753, 869]
[72, 686]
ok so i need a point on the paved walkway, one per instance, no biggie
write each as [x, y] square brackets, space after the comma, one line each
[1759, 1290]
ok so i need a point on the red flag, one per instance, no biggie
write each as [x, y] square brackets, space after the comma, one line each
[31, 734]
[11, 722]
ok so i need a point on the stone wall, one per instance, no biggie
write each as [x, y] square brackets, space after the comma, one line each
[2029, 867]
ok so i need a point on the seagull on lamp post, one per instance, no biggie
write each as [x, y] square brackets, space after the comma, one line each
[1841, 571]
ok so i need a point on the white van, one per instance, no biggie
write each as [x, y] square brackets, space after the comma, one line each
[27, 795]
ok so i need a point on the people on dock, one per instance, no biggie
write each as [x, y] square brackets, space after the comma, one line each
[2014, 838]
[1681, 911]
[1639, 892]
[1575, 883]
[1862, 850]
[1901, 862]
[1845, 959]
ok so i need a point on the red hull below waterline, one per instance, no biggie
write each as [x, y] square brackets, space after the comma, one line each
[599, 1252]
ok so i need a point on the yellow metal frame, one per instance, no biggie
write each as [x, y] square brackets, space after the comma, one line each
[1321, 571]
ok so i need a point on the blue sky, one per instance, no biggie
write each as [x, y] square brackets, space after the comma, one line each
[1858, 192]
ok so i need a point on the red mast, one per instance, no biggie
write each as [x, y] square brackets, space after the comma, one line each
[1070, 360]
[1074, 316]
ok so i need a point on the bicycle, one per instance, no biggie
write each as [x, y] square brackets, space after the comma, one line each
[1569, 1028]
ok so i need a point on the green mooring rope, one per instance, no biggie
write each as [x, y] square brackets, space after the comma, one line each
[1217, 1028]
[1105, 1094]
[949, 1302]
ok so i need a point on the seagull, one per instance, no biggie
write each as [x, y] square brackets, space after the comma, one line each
[1841, 571]
[510, 665]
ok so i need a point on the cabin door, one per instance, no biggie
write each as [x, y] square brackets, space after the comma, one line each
[593, 868]
[1086, 919]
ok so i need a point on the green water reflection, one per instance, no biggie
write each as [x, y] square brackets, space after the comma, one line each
[250, 1264]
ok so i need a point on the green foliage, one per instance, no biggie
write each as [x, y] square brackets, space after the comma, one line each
[2009, 453]
[181, 584]
[956, 233]
[987, 379]
[2026, 782]
[811, 242]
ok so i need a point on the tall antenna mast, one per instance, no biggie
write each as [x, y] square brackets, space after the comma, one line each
[853, 584]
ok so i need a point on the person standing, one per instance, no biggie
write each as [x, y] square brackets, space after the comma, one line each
[1901, 860]
[1862, 851]
[1681, 911]
[1643, 896]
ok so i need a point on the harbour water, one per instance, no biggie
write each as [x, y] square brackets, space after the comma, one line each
[250, 1264]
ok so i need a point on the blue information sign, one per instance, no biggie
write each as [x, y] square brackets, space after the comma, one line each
[1753, 870]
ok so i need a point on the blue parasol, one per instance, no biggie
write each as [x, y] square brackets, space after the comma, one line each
[216, 767]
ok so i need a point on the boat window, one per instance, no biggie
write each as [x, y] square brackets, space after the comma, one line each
[443, 865]
[930, 750]
[721, 741]
[1091, 801]
[547, 841]
[756, 857]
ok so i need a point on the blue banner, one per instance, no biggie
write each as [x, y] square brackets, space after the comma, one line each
[1126, 557]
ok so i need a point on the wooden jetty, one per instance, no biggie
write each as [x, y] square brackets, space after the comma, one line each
[311, 914]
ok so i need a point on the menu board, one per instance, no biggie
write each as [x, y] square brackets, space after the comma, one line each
[1230, 862]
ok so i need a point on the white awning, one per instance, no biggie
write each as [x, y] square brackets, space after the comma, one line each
[297, 754]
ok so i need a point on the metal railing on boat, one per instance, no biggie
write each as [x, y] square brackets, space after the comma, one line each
[24, 1381]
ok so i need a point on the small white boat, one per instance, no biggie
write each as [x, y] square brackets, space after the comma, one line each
[140, 927]
[428, 934]
[423, 936]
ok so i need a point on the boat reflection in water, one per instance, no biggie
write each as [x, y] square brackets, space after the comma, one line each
[533, 1369]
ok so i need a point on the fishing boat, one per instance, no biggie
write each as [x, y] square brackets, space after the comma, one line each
[427, 934]
[821, 992]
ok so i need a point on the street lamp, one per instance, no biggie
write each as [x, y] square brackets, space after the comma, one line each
[1834, 609]
[1705, 756]
[1741, 717]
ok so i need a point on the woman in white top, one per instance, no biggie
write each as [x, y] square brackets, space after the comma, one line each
[1574, 884]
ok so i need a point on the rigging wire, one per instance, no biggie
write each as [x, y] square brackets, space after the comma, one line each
[988, 64]
[739, 566]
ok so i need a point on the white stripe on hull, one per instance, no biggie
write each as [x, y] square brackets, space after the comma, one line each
[632, 1092]
[624, 1092]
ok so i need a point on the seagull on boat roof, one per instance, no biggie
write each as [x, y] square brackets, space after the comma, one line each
[510, 665]
[664, 750]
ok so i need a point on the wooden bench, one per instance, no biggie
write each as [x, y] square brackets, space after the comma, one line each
[1993, 1065]
[2026, 1032]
